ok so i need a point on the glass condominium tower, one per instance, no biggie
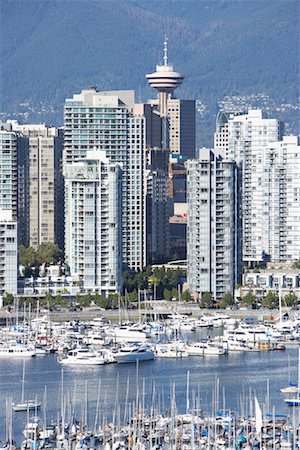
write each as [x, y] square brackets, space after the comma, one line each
[111, 122]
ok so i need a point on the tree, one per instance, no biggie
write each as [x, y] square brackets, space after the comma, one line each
[113, 300]
[290, 299]
[8, 299]
[227, 300]
[249, 299]
[48, 253]
[175, 293]
[61, 301]
[206, 300]
[186, 296]
[49, 301]
[133, 296]
[270, 301]
[167, 294]
[296, 264]
[27, 256]
[153, 282]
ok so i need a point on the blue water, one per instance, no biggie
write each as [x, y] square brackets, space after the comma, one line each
[237, 372]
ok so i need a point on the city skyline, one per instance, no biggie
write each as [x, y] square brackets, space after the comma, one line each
[152, 144]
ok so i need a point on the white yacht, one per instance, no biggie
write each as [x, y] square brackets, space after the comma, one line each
[169, 351]
[231, 344]
[16, 351]
[128, 333]
[248, 334]
[134, 353]
[81, 357]
[204, 348]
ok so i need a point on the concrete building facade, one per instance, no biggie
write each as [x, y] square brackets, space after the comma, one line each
[110, 121]
[213, 226]
[9, 171]
[281, 184]
[244, 138]
[8, 253]
[182, 127]
[44, 183]
[93, 222]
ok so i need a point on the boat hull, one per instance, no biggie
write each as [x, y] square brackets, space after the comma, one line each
[133, 357]
[30, 405]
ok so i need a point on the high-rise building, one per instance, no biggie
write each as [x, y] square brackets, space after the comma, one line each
[93, 222]
[281, 187]
[178, 197]
[213, 227]
[8, 253]
[182, 127]
[112, 122]
[244, 138]
[43, 182]
[9, 171]
[14, 185]
[178, 137]
[157, 205]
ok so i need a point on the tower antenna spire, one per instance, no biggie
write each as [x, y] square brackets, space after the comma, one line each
[166, 50]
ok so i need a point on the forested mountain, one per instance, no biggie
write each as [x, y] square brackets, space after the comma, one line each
[51, 49]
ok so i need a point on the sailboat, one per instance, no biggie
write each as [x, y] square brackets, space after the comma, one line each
[295, 400]
[292, 388]
[25, 405]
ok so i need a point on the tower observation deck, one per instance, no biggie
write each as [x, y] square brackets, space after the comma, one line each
[165, 80]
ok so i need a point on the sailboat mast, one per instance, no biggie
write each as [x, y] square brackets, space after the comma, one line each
[23, 383]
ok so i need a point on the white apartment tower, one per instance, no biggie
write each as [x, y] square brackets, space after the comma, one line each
[281, 185]
[9, 171]
[213, 227]
[8, 253]
[93, 222]
[244, 138]
[111, 121]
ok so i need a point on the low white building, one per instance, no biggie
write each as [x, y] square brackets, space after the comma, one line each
[260, 283]
[273, 279]
[55, 285]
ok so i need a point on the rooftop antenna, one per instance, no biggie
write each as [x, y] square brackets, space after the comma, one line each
[166, 51]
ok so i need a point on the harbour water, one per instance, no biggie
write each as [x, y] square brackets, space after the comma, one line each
[236, 372]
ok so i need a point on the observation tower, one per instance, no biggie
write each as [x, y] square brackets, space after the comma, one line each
[165, 80]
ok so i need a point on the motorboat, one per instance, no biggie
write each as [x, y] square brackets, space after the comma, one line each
[169, 350]
[292, 389]
[231, 344]
[204, 348]
[81, 357]
[128, 333]
[17, 351]
[134, 353]
[31, 429]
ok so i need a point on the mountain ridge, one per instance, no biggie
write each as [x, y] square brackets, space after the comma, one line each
[51, 50]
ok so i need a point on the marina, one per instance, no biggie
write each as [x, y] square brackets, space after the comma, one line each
[173, 390]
